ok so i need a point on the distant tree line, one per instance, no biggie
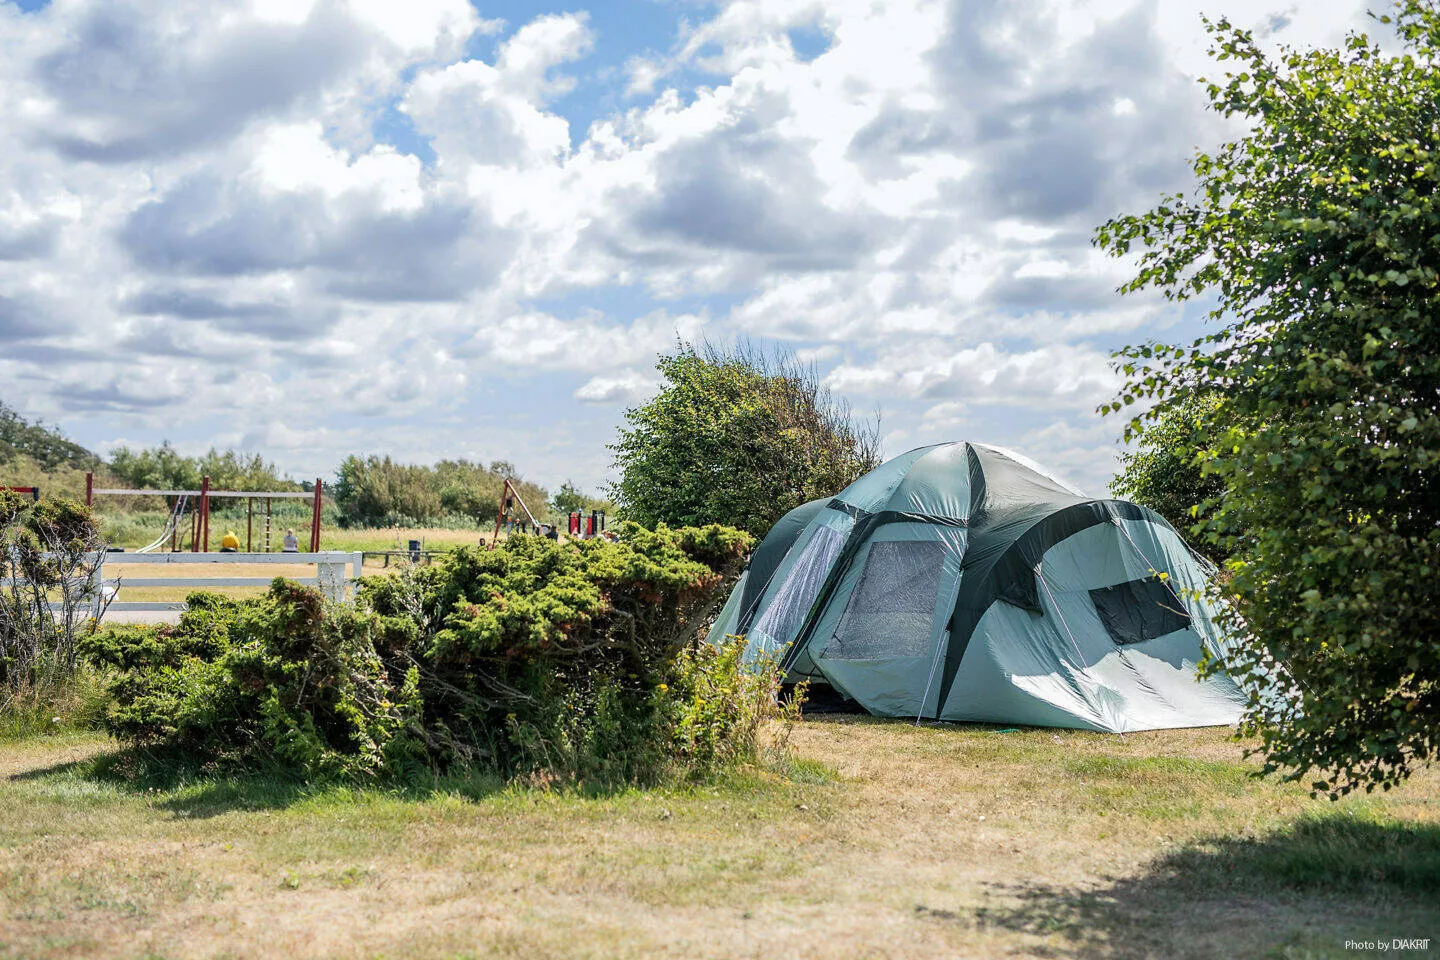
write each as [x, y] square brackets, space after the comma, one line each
[165, 468]
[45, 446]
[369, 491]
[375, 491]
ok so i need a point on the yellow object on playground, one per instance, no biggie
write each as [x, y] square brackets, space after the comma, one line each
[230, 541]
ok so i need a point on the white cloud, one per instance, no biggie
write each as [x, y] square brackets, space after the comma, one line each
[427, 27]
[538, 341]
[482, 114]
[627, 386]
[297, 158]
[214, 218]
[1055, 376]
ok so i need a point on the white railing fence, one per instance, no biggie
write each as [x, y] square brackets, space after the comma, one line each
[99, 592]
[330, 574]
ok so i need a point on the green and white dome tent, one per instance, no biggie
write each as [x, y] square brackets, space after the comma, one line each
[963, 582]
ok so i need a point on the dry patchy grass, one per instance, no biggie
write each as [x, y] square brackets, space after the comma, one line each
[880, 840]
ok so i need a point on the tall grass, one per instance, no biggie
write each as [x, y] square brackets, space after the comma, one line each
[76, 701]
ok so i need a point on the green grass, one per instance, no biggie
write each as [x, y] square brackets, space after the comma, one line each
[874, 839]
[334, 538]
[1355, 850]
[47, 708]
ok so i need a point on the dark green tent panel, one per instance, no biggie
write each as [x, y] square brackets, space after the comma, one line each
[963, 582]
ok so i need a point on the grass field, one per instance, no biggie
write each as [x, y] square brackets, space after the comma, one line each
[434, 538]
[880, 839]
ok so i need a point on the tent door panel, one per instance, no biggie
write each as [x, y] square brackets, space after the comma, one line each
[888, 620]
[892, 609]
[788, 601]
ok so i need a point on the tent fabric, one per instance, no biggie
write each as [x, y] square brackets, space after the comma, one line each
[764, 561]
[962, 581]
[772, 550]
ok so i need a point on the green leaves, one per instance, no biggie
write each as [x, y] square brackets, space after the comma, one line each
[737, 438]
[1167, 470]
[164, 468]
[1313, 411]
[377, 491]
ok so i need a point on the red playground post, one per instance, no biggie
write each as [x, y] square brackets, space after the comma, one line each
[204, 517]
[315, 519]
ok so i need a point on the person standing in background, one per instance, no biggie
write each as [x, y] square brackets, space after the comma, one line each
[292, 542]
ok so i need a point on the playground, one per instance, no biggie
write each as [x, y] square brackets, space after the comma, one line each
[188, 518]
[157, 556]
[151, 581]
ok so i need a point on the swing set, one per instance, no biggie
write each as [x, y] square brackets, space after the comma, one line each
[192, 508]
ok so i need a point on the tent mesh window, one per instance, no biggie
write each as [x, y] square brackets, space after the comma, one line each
[785, 615]
[891, 611]
[1139, 610]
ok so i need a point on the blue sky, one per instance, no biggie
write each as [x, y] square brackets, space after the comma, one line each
[436, 229]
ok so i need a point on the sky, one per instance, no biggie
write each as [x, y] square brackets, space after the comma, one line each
[438, 229]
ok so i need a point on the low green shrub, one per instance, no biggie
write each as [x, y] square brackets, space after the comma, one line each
[578, 660]
[285, 676]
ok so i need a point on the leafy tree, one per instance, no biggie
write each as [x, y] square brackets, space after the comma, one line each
[570, 498]
[466, 500]
[1165, 470]
[374, 491]
[739, 438]
[1316, 234]
[232, 470]
[473, 489]
[155, 468]
[48, 591]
